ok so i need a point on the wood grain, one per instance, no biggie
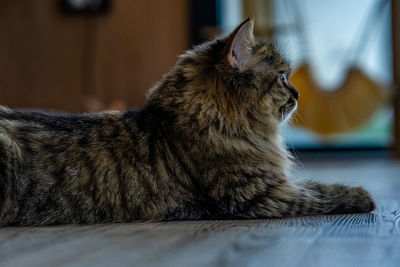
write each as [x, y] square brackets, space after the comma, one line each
[75, 63]
[337, 240]
[135, 45]
[41, 55]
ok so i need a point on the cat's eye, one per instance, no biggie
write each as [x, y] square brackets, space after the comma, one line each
[282, 76]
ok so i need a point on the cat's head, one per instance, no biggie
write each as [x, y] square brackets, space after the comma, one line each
[235, 83]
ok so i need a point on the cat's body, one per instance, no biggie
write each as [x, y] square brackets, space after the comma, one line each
[206, 145]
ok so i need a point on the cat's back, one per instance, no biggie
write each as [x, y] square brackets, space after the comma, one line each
[39, 136]
[38, 120]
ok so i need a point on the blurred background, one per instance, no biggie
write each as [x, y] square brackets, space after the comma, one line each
[91, 55]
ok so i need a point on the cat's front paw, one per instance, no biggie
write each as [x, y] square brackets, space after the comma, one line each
[357, 200]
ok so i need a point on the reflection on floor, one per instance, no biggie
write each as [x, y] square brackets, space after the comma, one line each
[343, 240]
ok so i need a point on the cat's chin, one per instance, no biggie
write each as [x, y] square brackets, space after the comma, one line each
[287, 111]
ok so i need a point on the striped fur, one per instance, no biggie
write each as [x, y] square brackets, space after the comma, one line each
[206, 145]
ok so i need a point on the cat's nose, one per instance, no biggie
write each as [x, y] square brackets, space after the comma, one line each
[294, 92]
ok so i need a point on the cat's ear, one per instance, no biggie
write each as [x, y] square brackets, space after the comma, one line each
[239, 44]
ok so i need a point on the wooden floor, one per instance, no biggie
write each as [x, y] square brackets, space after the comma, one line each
[344, 240]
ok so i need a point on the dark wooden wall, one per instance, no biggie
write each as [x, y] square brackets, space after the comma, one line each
[396, 73]
[52, 60]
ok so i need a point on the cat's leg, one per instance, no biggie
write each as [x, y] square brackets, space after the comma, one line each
[340, 198]
[309, 198]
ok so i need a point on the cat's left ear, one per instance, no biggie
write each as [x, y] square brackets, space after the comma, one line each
[239, 44]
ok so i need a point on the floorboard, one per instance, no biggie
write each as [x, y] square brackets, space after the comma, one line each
[338, 240]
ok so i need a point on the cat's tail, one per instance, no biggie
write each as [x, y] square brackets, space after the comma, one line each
[10, 156]
[4, 108]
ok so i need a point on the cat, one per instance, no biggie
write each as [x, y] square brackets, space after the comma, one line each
[205, 146]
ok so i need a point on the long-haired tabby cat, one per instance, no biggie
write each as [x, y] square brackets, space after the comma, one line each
[206, 145]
